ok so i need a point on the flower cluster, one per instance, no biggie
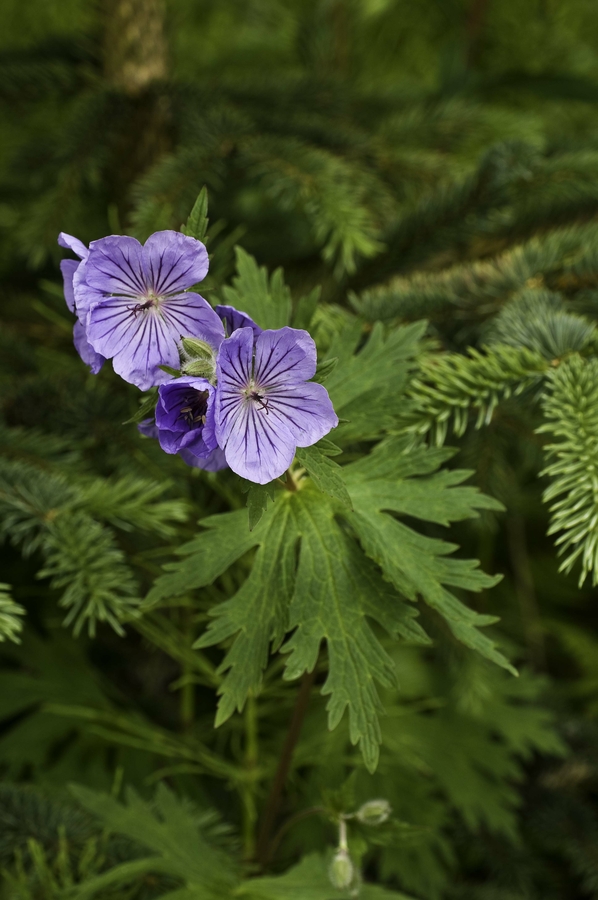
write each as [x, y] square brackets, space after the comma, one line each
[244, 398]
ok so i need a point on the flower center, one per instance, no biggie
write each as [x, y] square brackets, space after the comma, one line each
[195, 407]
[257, 395]
[152, 300]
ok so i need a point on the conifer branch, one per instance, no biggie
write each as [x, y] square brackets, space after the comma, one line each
[571, 410]
[448, 388]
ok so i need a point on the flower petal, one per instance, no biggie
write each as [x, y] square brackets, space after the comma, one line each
[189, 315]
[84, 295]
[256, 447]
[72, 243]
[115, 266]
[138, 342]
[148, 428]
[68, 267]
[236, 318]
[89, 356]
[173, 261]
[304, 409]
[175, 432]
[212, 463]
[284, 356]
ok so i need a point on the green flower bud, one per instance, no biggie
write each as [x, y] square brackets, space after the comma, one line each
[196, 348]
[374, 812]
[201, 368]
[341, 871]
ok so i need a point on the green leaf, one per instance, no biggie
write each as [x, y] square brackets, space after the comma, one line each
[367, 387]
[176, 373]
[197, 223]
[326, 474]
[207, 556]
[258, 612]
[146, 408]
[309, 881]
[308, 574]
[336, 589]
[417, 565]
[183, 841]
[257, 501]
[266, 300]
[324, 369]
[305, 309]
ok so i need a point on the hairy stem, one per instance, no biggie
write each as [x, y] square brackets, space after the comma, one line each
[274, 801]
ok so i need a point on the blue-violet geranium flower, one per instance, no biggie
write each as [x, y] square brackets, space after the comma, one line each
[233, 319]
[212, 462]
[134, 303]
[266, 406]
[69, 269]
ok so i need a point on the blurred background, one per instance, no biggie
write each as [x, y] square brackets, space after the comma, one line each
[366, 146]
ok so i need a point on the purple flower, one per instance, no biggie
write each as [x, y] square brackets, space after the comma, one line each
[213, 462]
[69, 269]
[234, 319]
[133, 302]
[265, 405]
[185, 416]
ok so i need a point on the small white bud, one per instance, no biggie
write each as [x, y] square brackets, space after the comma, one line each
[341, 871]
[374, 812]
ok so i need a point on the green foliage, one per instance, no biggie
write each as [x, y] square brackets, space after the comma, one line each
[571, 412]
[325, 473]
[63, 518]
[266, 300]
[197, 223]
[184, 844]
[448, 387]
[10, 612]
[401, 164]
[309, 881]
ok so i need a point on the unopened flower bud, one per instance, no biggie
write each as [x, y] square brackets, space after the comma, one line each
[201, 368]
[195, 348]
[341, 871]
[374, 812]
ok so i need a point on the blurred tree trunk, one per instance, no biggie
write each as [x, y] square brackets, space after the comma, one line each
[474, 29]
[135, 56]
[134, 44]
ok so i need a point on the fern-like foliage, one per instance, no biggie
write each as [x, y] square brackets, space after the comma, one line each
[10, 615]
[571, 411]
[69, 521]
[449, 387]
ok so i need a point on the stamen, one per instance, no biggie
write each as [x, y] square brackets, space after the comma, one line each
[196, 407]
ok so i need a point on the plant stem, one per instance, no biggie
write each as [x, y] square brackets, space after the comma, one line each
[288, 824]
[251, 759]
[274, 800]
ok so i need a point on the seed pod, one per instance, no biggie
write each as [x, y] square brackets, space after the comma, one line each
[374, 812]
[341, 871]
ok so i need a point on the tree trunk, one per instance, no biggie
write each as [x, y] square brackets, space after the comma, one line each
[134, 44]
[136, 68]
